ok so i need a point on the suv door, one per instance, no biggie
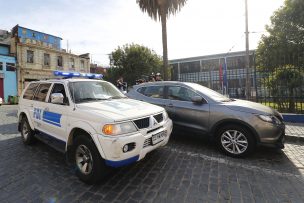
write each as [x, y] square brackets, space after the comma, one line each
[39, 105]
[185, 112]
[27, 103]
[55, 115]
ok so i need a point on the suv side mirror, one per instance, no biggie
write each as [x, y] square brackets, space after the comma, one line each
[57, 98]
[197, 100]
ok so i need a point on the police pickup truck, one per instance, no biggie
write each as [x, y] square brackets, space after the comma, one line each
[91, 121]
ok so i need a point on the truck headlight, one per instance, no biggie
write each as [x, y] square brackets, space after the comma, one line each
[118, 129]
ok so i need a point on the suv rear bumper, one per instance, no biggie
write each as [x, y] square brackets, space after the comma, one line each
[140, 143]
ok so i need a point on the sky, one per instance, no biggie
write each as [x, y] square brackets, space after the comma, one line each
[98, 27]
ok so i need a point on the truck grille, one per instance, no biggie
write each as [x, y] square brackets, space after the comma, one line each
[159, 117]
[142, 123]
[148, 142]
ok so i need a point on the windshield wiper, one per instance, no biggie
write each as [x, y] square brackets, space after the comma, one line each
[227, 100]
[89, 99]
[117, 97]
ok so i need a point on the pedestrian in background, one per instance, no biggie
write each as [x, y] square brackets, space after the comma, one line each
[152, 78]
[158, 77]
[120, 84]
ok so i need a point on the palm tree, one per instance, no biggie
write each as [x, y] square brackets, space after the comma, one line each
[160, 10]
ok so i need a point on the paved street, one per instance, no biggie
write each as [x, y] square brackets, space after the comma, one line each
[296, 130]
[188, 169]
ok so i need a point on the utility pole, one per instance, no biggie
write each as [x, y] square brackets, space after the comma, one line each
[247, 60]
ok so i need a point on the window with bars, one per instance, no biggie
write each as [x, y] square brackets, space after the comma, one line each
[72, 63]
[10, 67]
[59, 61]
[46, 60]
[30, 56]
[82, 65]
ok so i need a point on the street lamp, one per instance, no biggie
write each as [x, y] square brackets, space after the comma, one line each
[247, 60]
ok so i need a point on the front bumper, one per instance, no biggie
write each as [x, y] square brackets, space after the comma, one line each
[112, 147]
[272, 135]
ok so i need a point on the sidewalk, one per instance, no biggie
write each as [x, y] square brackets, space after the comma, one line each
[295, 132]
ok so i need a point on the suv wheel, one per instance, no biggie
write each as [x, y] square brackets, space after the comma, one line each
[235, 141]
[27, 134]
[90, 167]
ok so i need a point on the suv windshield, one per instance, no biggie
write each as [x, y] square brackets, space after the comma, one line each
[209, 92]
[85, 91]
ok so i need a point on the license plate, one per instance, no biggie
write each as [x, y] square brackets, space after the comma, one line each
[158, 137]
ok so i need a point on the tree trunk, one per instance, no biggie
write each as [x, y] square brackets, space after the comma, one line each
[165, 49]
[292, 107]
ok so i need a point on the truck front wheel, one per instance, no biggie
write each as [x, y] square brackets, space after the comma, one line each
[90, 166]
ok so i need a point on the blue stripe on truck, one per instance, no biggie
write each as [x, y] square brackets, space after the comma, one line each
[52, 118]
[124, 162]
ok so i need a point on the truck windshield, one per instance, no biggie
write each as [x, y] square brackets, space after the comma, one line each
[86, 91]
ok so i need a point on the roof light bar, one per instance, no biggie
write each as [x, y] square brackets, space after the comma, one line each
[77, 74]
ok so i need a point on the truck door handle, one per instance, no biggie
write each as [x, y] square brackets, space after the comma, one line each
[170, 105]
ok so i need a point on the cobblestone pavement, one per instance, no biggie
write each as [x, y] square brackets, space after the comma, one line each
[188, 169]
[295, 130]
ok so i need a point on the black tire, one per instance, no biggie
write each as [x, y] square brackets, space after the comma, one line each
[27, 134]
[98, 169]
[239, 144]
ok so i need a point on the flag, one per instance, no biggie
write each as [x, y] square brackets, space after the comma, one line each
[225, 81]
[221, 74]
[225, 74]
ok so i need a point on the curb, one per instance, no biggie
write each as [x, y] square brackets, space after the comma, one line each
[292, 138]
[293, 118]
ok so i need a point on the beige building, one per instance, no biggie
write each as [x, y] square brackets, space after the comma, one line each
[39, 54]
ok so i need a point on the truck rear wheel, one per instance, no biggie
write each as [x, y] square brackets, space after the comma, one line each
[27, 134]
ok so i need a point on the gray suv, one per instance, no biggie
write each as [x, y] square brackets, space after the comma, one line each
[237, 126]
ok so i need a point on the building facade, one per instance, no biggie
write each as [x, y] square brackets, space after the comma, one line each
[8, 82]
[225, 73]
[94, 68]
[39, 54]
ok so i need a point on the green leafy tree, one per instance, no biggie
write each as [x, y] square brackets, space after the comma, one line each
[280, 54]
[284, 43]
[160, 10]
[132, 62]
[285, 82]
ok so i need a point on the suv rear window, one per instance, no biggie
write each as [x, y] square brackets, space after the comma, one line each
[30, 91]
[42, 92]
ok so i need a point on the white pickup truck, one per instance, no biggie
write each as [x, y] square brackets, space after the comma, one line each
[92, 122]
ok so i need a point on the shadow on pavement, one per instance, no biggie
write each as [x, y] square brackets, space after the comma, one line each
[12, 114]
[264, 158]
[39, 173]
[10, 128]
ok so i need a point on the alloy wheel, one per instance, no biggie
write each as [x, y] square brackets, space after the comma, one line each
[84, 159]
[25, 131]
[234, 142]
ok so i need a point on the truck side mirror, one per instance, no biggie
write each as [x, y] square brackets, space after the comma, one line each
[57, 98]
